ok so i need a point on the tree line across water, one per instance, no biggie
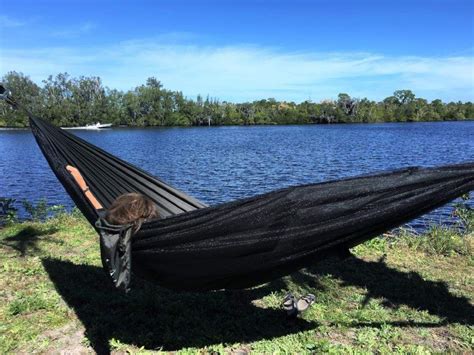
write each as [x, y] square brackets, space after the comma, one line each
[68, 101]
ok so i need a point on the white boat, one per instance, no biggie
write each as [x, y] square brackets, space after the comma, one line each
[95, 126]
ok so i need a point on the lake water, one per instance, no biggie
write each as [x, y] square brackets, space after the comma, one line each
[219, 164]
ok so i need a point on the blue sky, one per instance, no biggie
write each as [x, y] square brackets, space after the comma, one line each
[248, 50]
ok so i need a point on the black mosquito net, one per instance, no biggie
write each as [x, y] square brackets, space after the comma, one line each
[249, 241]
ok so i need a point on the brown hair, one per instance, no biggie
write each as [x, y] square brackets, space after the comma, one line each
[132, 208]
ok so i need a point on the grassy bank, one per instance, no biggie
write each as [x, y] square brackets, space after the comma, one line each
[401, 294]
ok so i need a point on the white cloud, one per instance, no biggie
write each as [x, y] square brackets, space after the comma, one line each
[7, 22]
[74, 32]
[240, 73]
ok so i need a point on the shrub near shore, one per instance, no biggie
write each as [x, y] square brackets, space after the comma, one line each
[400, 293]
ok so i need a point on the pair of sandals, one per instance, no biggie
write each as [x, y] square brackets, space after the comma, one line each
[293, 306]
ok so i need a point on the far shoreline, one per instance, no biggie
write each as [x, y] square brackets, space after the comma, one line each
[22, 128]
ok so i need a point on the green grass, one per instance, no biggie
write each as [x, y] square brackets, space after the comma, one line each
[398, 294]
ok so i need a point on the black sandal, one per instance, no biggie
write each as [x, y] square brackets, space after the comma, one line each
[289, 305]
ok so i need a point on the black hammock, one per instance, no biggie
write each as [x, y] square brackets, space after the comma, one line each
[253, 240]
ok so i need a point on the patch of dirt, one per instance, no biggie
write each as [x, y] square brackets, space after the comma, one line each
[243, 350]
[438, 339]
[340, 338]
[68, 339]
[259, 303]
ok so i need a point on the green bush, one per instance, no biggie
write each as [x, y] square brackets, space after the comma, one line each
[37, 212]
[445, 240]
[8, 213]
[41, 211]
[466, 217]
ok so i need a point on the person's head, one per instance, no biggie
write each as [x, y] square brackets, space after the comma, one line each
[132, 208]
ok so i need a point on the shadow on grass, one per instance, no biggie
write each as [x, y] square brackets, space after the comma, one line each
[26, 239]
[397, 288]
[153, 317]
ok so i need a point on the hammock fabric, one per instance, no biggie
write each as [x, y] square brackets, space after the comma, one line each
[253, 240]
